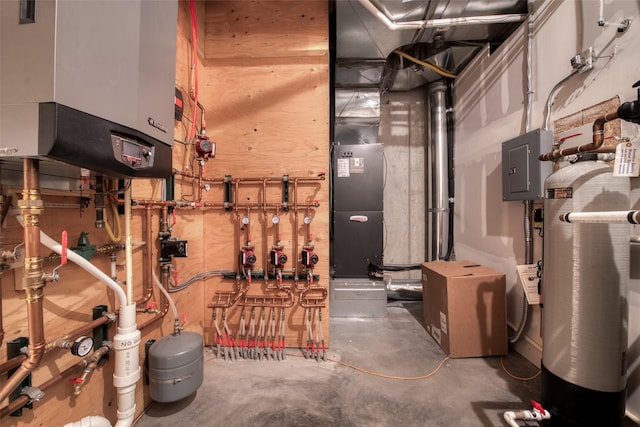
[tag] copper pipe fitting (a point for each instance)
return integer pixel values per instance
(596, 143)
(31, 207)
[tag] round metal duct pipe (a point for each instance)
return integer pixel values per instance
(585, 287)
(437, 172)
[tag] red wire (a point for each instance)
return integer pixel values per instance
(194, 39)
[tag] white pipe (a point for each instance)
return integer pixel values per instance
(617, 217)
(126, 373)
(83, 263)
(127, 341)
(91, 421)
(511, 416)
(442, 22)
(166, 294)
(114, 272)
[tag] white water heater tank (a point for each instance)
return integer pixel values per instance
(584, 296)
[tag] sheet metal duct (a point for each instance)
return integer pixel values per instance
(437, 173)
(449, 33)
(89, 83)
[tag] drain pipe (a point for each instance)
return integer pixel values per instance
(31, 207)
(126, 342)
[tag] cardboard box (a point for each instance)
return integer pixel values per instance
(465, 308)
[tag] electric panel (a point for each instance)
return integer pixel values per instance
(523, 174)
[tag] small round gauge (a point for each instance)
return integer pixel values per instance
(307, 220)
(245, 220)
(82, 346)
(275, 219)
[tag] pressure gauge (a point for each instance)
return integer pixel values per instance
(245, 220)
(275, 219)
(82, 346)
(307, 220)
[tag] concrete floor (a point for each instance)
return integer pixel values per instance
(301, 392)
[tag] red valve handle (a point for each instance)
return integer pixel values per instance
(64, 247)
(76, 380)
(538, 406)
(152, 305)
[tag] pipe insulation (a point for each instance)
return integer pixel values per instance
(611, 217)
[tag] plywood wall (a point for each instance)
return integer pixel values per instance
(264, 82)
(265, 85)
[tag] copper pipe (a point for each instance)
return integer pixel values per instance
(23, 400)
(84, 329)
(192, 175)
(1, 323)
(31, 207)
(257, 180)
(151, 203)
(265, 235)
(148, 262)
(232, 296)
(278, 180)
(88, 370)
(295, 233)
(266, 301)
(199, 199)
(596, 143)
(14, 362)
